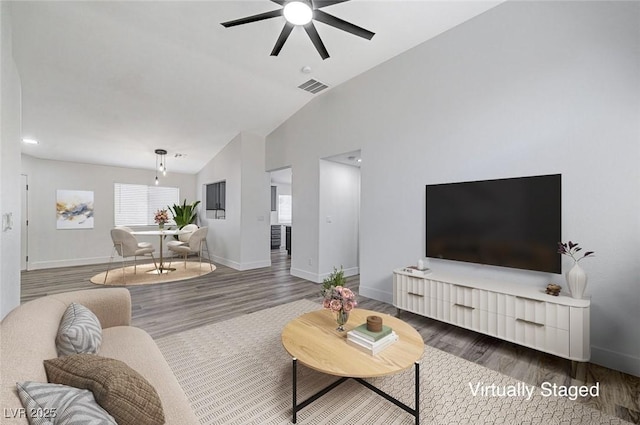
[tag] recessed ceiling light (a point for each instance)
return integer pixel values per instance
(30, 141)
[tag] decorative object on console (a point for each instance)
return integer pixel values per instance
(553, 289)
(161, 217)
(576, 277)
(422, 264)
(414, 270)
(337, 298)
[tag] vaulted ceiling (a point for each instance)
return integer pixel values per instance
(109, 82)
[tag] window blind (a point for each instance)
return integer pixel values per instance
(135, 204)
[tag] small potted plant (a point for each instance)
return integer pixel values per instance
(338, 298)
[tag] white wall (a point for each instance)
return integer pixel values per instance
(10, 129)
(241, 240)
(256, 204)
(526, 88)
(50, 247)
(224, 235)
(339, 218)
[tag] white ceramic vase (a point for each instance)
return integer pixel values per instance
(577, 281)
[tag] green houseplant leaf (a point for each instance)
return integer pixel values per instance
(184, 214)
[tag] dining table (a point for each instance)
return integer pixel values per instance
(162, 233)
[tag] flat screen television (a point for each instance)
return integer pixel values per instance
(514, 222)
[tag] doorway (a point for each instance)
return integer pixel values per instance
(339, 227)
(281, 219)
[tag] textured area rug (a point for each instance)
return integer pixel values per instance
(143, 275)
(237, 372)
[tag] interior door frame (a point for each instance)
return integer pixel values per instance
(24, 222)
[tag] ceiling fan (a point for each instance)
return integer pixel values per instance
(302, 13)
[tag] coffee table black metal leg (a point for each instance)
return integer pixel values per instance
(417, 389)
(415, 411)
(295, 390)
(297, 407)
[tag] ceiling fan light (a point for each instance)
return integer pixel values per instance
(298, 12)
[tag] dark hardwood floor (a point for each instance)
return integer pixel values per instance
(166, 308)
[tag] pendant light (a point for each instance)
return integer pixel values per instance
(161, 163)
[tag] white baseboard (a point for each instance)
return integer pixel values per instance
(241, 266)
(376, 294)
(618, 361)
(39, 265)
(318, 278)
(255, 265)
(313, 277)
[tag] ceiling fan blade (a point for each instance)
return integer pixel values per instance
(317, 4)
(315, 39)
(280, 2)
(253, 18)
(286, 30)
(325, 18)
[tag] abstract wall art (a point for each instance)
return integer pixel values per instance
(74, 209)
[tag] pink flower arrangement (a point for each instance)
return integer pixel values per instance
(161, 216)
(339, 298)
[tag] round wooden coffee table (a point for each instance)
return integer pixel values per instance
(312, 340)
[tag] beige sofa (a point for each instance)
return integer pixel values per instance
(28, 336)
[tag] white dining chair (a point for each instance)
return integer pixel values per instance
(196, 244)
(140, 244)
(126, 245)
(183, 238)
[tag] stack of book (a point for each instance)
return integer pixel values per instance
(416, 271)
(371, 342)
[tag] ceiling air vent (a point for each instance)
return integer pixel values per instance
(313, 86)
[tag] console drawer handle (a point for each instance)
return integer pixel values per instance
(529, 322)
(465, 306)
(417, 295)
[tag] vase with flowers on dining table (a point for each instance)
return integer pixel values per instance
(161, 217)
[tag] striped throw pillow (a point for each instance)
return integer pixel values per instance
(79, 331)
(54, 404)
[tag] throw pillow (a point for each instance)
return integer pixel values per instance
(120, 390)
(53, 404)
(79, 331)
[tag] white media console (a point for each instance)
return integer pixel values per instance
(517, 313)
